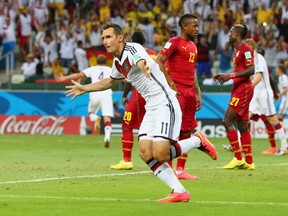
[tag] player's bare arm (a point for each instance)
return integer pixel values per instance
(257, 78)
(126, 90)
(285, 90)
(77, 89)
(222, 78)
(198, 93)
(145, 67)
(160, 60)
(74, 76)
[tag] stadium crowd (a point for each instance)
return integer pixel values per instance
(50, 31)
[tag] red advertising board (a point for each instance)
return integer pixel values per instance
(52, 125)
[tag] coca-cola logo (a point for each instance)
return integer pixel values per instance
(43, 125)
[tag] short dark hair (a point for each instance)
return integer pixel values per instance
(138, 37)
(261, 51)
(282, 68)
(116, 27)
(184, 18)
(242, 29)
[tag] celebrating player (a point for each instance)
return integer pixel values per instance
(133, 115)
(159, 130)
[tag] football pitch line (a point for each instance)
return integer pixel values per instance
(212, 202)
(106, 175)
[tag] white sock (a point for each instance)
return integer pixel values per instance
(165, 173)
(280, 134)
(107, 131)
(188, 144)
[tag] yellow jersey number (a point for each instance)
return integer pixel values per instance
(127, 116)
(192, 57)
(234, 101)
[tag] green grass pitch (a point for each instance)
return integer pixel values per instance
(70, 175)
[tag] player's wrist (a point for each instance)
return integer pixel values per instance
(232, 75)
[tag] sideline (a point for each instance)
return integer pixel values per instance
(215, 202)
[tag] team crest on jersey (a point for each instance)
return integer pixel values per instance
(248, 55)
(124, 68)
(167, 45)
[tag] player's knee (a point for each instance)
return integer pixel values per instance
(161, 156)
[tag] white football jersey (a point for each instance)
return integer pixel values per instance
(154, 90)
(283, 83)
(97, 73)
(263, 89)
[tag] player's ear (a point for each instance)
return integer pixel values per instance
(120, 38)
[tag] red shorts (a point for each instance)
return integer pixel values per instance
(188, 104)
(240, 101)
(22, 40)
(134, 112)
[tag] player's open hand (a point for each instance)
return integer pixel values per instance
(222, 78)
(74, 90)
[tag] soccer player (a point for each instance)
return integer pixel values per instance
(133, 115)
(262, 102)
(241, 95)
(180, 55)
(101, 99)
(159, 130)
(283, 89)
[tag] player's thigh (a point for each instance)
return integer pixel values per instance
(107, 106)
(165, 122)
(94, 105)
(188, 104)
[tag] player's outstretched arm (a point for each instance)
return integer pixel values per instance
(145, 67)
(77, 89)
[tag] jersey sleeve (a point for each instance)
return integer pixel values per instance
(248, 56)
(169, 48)
(88, 71)
(137, 53)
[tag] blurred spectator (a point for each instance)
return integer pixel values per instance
(104, 10)
(29, 67)
(24, 30)
(40, 12)
(148, 30)
(95, 36)
(225, 55)
(223, 36)
(172, 22)
(203, 64)
(81, 57)
(129, 29)
(117, 18)
(49, 48)
(67, 46)
(9, 41)
(57, 68)
(40, 61)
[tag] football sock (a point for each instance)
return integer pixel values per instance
(280, 134)
(127, 143)
(181, 161)
(246, 146)
(184, 146)
(271, 134)
(107, 130)
(165, 173)
(233, 139)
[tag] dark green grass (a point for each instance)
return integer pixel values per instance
(73, 178)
